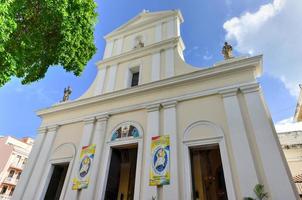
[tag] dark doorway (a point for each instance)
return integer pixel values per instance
(207, 173)
(56, 182)
(121, 176)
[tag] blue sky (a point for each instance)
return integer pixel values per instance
(252, 26)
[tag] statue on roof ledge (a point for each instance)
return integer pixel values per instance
(227, 51)
(67, 92)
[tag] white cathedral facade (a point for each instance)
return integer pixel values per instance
(221, 139)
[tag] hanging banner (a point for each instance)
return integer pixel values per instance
(82, 178)
(160, 163)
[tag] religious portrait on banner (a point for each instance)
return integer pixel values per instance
(82, 178)
(160, 161)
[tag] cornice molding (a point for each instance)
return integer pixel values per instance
(102, 117)
(250, 88)
(140, 52)
(89, 120)
(124, 31)
(153, 107)
(52, 128)
(229, 92)
(169, 104)
(245, 64)
(42, 130)
(153, 104)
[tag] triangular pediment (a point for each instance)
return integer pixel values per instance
(143, 18)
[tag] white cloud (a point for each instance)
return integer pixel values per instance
(288, 125)
(228, 4)
(275, 30)
(207, 55)
(289, 120)
(33, 91)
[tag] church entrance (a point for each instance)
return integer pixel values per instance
(207, 173)
(56, 182)
(121, 176)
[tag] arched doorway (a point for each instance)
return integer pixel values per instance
(124, 159)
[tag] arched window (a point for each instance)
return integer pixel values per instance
(125, 131)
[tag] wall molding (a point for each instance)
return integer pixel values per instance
(218, 140)
(140, 52)
(244, 64)
(151, 104)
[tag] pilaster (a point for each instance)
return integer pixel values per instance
(119, 45)
(85, 140)
(152, 131)
(171, 191)
(171, 27)
(155, 70)
(29, 167)
(99, 88)
(111, 76)
(241, 150)
(273, 162)
(98, 138)
(108, 50)
(37, 181)
(47, 168)
(169, 62)
(158, 32)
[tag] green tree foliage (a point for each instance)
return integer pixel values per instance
(37, 34)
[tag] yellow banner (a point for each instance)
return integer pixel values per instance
(160, 162)
(82, 178)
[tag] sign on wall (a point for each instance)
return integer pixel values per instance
(82, 178)
(160, 163)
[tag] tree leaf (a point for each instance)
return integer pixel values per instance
(38, 34)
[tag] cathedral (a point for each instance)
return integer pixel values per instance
(152, 127)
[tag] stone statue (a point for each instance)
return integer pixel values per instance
(139, 42)
(227, 51)
(67, 92)
(125, 130)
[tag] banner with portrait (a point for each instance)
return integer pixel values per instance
(81, 181)
(160, 162)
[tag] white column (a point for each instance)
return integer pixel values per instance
(158, 32)
(108, 50)
(177, 26)
(246, 170)
(47, 171)
(111, 76)
(98, 139)
(171, 191)
(36, 182)
(155, 69)
(99, 88)
(170, 28)
(31, 162)
(85, 140)
(128, 78)
(169, 64)
(152, 130)
(103, 172)
(273, 161)
(119, 44)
